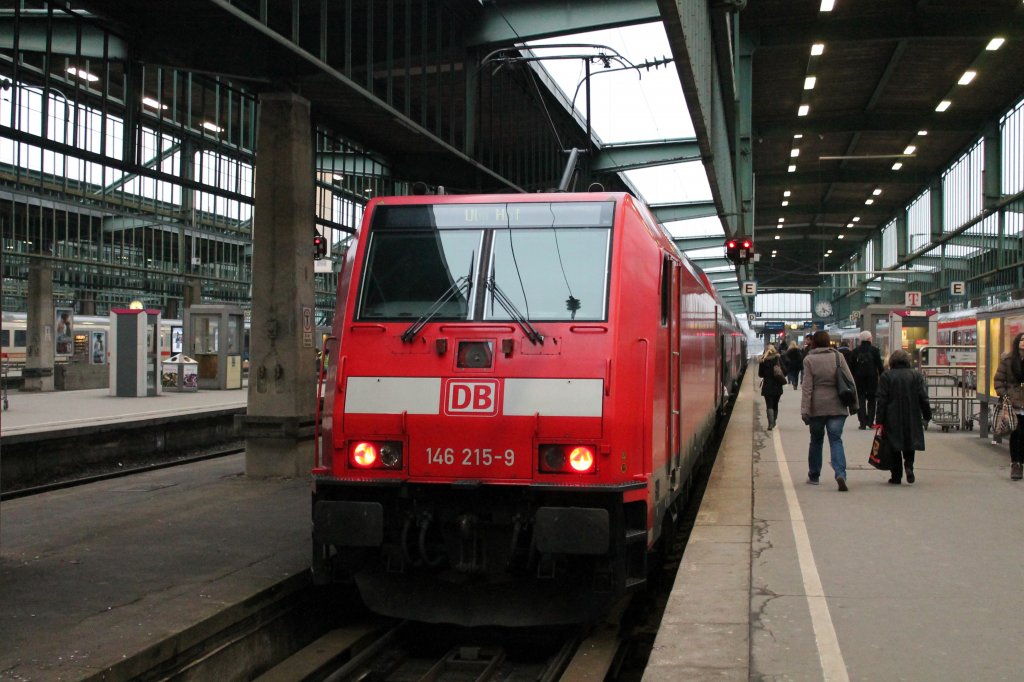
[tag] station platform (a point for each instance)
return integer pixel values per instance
(37, 412)
(48, 437)
(782, 580)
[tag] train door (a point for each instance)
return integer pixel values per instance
(671, 302)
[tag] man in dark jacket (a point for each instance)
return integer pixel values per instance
(867, 366)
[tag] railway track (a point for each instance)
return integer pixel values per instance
(420, 652)
(118, 473)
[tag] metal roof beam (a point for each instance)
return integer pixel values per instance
(534, 19)
(871, 123)
(871, 176)
(687, 210)
(622, 157)
(896, 26)
(66, 36)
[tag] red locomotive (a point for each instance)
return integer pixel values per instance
(518, 389)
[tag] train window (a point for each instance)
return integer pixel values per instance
(408, 273)
(20, 337)
(551, 274)
(5, 338)
(666, 289)
(506, 215)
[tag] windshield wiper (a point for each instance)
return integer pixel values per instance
(414, 329)
(465, 281)
(512, 311)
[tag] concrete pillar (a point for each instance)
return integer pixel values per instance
(278, 428)
(39, 353)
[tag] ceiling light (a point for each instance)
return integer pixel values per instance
(849, 224)
(909, 150)
(809, 82)
(83, 74)
(922, 133)
(817, 49)
(782, 220)
(840, 236)
(856, 218)
(803, 110)
(792, 169)
(967, 77)
(152, 103)
(786, 193)
(785, 203)
(943, 105)
(897, 165)
(877, 191)
(779, 226)
(995, 44)
(212, 127)
(869, 201)
(798, 136)
(827, 5)
(795, 153)
(778, 236)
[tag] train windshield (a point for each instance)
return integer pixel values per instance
(550, 260)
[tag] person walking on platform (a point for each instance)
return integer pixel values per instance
(772, 370)
(903, 409)
(1009, 382)
(821, 409)
(866, 366)
(794, 364)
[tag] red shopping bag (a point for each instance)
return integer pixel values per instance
(881, 451)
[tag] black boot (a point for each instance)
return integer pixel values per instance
(771, 419)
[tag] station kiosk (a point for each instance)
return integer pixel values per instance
(134, 347)
(213, 338)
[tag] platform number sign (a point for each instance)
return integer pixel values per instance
(749, 288)
(957, 288)
(912, 299)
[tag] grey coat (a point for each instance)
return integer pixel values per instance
(820, 396)
(903, 407)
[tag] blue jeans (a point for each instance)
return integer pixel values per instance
(834, 426)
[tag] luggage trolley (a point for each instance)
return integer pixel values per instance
(951, 387)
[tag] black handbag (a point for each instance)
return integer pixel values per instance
(847, 389)
(881, 451)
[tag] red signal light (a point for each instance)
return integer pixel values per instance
(747, 244)
(319, 247)
(567, 459)
(364, 455)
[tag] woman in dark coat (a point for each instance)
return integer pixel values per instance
(1009, 381)
(794, 364)
(771, 387)
(902, 409)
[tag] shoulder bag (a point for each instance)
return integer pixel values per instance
(1005, 419)
(847, 391)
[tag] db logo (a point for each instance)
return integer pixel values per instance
(471, 397)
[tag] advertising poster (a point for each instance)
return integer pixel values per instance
(98, 348)
(64, 331)
(176, 334)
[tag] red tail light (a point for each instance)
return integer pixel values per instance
(375, 454)
(560, 458)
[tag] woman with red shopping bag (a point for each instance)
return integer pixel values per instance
(902, 408)
(1009, 384)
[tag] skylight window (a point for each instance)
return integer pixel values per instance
(83, 74)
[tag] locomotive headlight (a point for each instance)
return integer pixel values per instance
(552, 457)
(391, 455)
(562, 458)
(368, 454)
